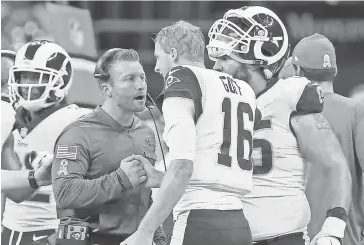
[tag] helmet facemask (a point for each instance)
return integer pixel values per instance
(251, 35)
(50, 89)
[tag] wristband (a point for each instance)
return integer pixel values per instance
(337, 212)
(31, 180)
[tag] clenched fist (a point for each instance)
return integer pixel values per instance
(134, 170)
(42, 164)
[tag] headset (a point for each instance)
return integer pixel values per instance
(103, 74)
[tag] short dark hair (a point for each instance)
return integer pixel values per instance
(109, 58)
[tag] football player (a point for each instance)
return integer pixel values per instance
(314, 57)
(251, 43)
(7, 111)
(209, 120)
(15, 180)
(39, 81)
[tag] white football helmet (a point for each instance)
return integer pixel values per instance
(43, 58)
(251, 35)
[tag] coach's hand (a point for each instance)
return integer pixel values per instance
(134, 169)
(154, 177)
(42, 164)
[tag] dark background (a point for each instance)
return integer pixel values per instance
(133, 24)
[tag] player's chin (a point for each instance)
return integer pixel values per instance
(139, 106)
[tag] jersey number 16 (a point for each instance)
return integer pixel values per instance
(243, 135)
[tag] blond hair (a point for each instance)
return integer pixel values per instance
(186, 38)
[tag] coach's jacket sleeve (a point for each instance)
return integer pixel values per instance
(359, 133)
(70, 165)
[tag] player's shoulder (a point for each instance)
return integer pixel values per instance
(295, 83)
(301, 94)
(181, 81)
(70, 113)
(7, 108)
(74, 110)
(180, 77)
(75, 115)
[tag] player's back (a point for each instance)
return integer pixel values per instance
(343, 114)
(38, 213)
(277, 204)
(224, 117)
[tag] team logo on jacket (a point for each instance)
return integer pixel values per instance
(76, 232)
(63, 168)
(150, 142)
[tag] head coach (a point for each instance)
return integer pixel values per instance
(99, 187)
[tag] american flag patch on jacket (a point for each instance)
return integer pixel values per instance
(65, 151)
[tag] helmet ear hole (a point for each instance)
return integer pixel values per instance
(59, 93)
(55, 95)
(269, 49)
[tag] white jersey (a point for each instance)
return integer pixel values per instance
(38, 213)
(7, 120)
(277, 204)
(224, 118)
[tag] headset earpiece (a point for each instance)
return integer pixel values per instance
(100, 71)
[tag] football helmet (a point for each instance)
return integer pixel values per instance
(251, 35)
(50, 65)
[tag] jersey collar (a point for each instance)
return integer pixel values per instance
(23, 119)
(111, 122)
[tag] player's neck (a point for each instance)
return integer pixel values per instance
(122, 116)
(327, 87)
(183, 61)
(259, 82)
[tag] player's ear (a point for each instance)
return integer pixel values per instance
(174, 54)
(106, 89)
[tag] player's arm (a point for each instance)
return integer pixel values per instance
(12, 180)
(9, 160)
(181, 108)
(181, 140)
(17, 185)
(358, 134)
(320, 146)
(71, 189)
(159, 235)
